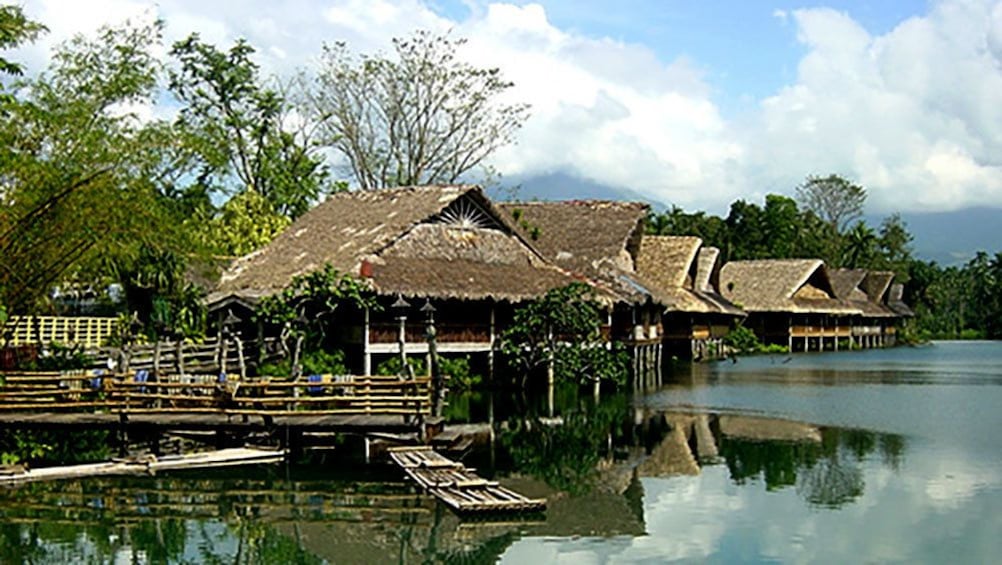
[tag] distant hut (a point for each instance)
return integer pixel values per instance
(447, 245)
(696, 317)
(789, 302)
(600, 240)
(867, 291)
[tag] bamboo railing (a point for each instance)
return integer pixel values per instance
(141, 393)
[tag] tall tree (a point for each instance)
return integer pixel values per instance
(834, 199)
(424, 117)
(243, 129)
(70, 155)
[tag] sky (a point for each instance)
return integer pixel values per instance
(687, 103)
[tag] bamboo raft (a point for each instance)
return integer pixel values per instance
(148, 464)
(458, 487)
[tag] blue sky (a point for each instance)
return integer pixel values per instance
(747, 49)
(692, 103)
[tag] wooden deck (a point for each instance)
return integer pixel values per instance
(460, 488)
(208, 402)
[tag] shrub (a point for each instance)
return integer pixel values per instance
(314, 362)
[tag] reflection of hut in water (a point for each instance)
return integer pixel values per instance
(446, 244)
(696, 318)
(789, 302)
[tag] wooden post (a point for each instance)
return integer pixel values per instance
(490, 351)
(179, 356)
(366, 354)
(241, 363)
(156, 357)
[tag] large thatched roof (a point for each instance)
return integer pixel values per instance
(599, 239)
(438, 241)
(669, 263)
(850, 285)
(781, 285)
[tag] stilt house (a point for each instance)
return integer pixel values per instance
(444, 245)
(867, 291)
(696, 318)
(600, 240)
(789, 302)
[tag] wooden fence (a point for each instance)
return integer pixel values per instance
(87, 331)
(135, 393)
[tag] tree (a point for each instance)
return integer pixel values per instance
(834, 199)
(71, 165)
(243, 130)
(425, 117)
(563, 329)
(894, 244)
(860, 247)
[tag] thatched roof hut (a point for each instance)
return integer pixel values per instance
(782, 285)
(597, 238)
(863, 289)
(430, 241)
(670, 263)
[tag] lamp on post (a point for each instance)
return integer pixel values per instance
(400, 307)
(437, 384)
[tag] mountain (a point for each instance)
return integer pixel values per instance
(952, 238)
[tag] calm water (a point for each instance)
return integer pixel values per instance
(852, 457)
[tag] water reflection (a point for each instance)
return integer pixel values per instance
(733, 466)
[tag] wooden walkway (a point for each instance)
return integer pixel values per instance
(457, 486)
(98, 399)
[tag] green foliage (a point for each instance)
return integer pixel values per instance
(392, 366)
(156, 289)
(241, 129)
(53, 448)
(563, 327)
(15, 29)
(423, 117)
(743, 341)
(319, 292)
(458, 371)
(957, 302)
(313, 361)
(56, 357)
(245, 223)
(74, 161)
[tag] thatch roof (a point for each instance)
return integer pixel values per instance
(669, 262)
(599, 239)
(437, 241)
(669, 259)
(781, 285)
(849, 285)
(876, 284)
(895, 300)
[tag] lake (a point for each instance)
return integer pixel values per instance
(880, 455)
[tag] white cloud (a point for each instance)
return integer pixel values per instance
(915, 114)
(916, 111)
